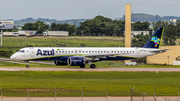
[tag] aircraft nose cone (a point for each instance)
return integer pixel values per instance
(13, 56)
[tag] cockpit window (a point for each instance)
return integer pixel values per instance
(21, 51)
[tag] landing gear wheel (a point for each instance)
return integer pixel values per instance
(92, 66)
(82, 66)
(27, 66)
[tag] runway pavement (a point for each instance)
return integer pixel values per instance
(90, 69)
(150, 98)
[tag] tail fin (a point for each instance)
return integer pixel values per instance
(155, 40)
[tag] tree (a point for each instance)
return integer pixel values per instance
(28, 26)
(63, 27)
(139, 40)
(38, 26)
(178, 27)
(170, 34)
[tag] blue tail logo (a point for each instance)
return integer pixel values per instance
(156, 40)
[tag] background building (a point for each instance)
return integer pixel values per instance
(134, 33)
(165, 58)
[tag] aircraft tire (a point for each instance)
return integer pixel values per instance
(82, 66)
(93, 66)
(27, 66)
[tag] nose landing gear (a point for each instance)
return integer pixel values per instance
(27, 66)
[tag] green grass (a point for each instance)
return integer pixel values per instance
(94, 83)
(15, 43)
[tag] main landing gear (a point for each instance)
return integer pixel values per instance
(82, 66)
(91, 65)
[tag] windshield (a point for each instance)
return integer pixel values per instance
(21, 51)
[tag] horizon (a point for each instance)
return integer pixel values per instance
(83, 18)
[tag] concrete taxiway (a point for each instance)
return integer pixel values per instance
(90, 69)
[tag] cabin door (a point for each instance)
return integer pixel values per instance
(137, 52)
(31, 52)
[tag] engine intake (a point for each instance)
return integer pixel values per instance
(59, 63)
(76, 61)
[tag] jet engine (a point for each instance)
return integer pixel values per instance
(76, 61)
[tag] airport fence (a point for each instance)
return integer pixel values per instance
(86, 92)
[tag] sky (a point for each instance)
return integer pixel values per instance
(83, 9)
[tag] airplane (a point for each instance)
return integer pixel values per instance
(79, 56)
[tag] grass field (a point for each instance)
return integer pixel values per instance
(40, 41)
(13, 44)
(94, 83)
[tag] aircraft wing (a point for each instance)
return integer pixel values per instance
(97, 56)
(100, 55)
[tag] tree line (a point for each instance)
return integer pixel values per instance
(98, 26)
(103, 26)
(171, 33)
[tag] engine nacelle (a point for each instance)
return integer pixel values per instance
(59, 63)
(76, 61)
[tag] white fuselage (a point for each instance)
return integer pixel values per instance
(90, 53)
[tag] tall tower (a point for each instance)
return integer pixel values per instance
(128, 26)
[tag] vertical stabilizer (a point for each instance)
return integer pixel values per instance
(155, 39)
